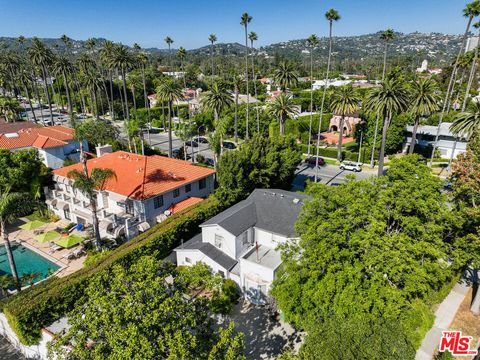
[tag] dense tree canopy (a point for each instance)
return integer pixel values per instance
(19, 169)
(376, 248)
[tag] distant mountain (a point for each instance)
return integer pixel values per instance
(433, 46)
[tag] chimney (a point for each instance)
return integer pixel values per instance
(104, 149)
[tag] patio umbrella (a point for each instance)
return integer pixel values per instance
(32, 225)
(69, 241)
(46, 237)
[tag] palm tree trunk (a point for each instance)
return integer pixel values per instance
(169, 131)
(211, 57)
(323, 99)
(125, 93)
(11, 260)
(121, 100)
(246, 78)
(414, 136)
(96, 227)
(112, 109)
(104, 88)
(282, 124)
(95, 104)
(236, 115)
(27, 92)
(311, 103)
(381, 156)
(44, 74)
(340, 139)
(134, 102)
(147, 105)
(82, 98)
(255, 89)
(69, 100)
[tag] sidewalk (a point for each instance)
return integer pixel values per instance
(443, 318)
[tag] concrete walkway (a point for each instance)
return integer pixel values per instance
(444, 317)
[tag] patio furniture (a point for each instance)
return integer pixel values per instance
(46, 237)
(69, 241)
(55, 248)
(32, 225)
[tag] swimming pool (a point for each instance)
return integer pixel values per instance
(27, 261)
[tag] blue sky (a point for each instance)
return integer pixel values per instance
(189, 22)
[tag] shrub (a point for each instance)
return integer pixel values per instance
(40, 305)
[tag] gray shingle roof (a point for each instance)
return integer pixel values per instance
(272, 210)
(209, 250)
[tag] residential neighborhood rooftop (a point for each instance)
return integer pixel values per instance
(37, 137)
(141, 177)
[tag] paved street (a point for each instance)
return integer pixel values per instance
(327, 174)
(160, 141)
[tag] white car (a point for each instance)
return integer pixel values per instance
(351, 166)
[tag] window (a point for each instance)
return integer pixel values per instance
(244, 237)
(176, 193)
(202, 184)
(222, 274)
(188, 260)
(105, 199)
(66, 213)
(158, 201)
(188, 188)
(129, 207)
(218, 241)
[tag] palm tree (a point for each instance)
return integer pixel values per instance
(466, 123)
(388, 100)
(66, 40)
(470, 11)
(5, 282)
(12, 206)
(168, 92)
(344, 102)
(244, 21)
(143, 60)
(106, 58)
(9, 108)
(331, 16)
(123, 60)
(386, 36)
(285, 75)
(64, 67)
(312, 42)
(91, 82)
(88, 184)
(25, 78)
(41, 57)
(254, 37)
(213, 39)
(425, 101)
(237, 83)
(282, 108)
(169, 42)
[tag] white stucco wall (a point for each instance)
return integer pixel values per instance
(229, 241)
(197, 256)
(268, 239)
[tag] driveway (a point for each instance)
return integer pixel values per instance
(265, 337)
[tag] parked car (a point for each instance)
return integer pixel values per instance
(229, 145)
(177, 154)
(313, 161)
(154, 130)
(202, 140)
(351, 166)
(191, 143)
(210, 161)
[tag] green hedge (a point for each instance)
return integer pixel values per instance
(32, 309)
(328, 152)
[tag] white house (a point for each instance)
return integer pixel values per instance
(446, 140)
(54, 143)
(241, 243)
(144, 191)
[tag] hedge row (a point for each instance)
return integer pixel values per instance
(328, 152)
(32, 309)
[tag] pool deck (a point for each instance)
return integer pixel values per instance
(59, 257)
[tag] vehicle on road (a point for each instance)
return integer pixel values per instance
(154, 130)
(202, 140)
(191, 143)
(229, 145)
(210, 161)
(313, 161)
(178, 154)
(351, 166)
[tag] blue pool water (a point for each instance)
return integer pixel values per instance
(27, 261)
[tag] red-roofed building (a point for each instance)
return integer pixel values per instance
(54, 143)
(145, 190)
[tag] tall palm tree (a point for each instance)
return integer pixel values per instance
(213, 39)
(169, 92)
(25, 79)
(66, 41)
(466, 123)
(9, 108)
(123, 60)
(244, 21)
(106, 58)
(312, 42)
(88, 183)
(12, 206)
(331, 16)
(344, 102)
(169, 42)
(285, 75)
(41, 56)
(388, 100)
(425, 101)
(282, 108)
(237, 83)
(254, 37)
(64, 67)
(91, 82)
(385, 36)
(470, 11)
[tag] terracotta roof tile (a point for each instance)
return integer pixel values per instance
(141, 177)
(184, 204)
(38, 137)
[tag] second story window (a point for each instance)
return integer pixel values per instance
(244, 237)
(188, 188)
(176, 193)
(202, 184)
(129, 209)
(158, 202)
(218, 241)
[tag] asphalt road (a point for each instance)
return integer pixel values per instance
(327, 174)
(160, 141)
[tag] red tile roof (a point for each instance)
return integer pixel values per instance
(182, 205)
(141, 177)
(38, 137)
